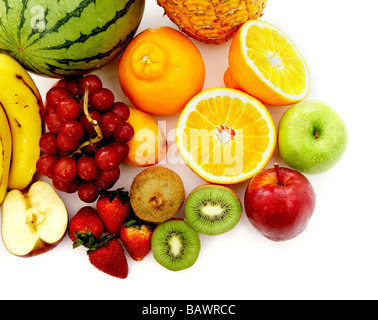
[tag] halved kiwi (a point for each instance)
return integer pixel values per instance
(213, 209)
(157, 194)
(175, 245)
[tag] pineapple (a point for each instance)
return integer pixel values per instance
(212, 21)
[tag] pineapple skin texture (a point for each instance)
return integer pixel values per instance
(212, 21)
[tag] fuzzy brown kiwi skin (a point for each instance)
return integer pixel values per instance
(163, 204)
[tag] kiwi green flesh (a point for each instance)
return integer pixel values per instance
(175, 245)
(212, 210)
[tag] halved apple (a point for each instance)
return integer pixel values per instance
(33, 222)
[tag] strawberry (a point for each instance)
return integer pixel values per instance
(108, 256)
(136, 237)
(85, 226)
(113, 207)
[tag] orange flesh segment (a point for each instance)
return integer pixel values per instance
(242, 152)
(276, 60)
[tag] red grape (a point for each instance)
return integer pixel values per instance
(124, 133)
(62, 153)
(110, 175)
(107, 158)
(73, 86)
(46, 164)
(72, 130)
(89, 150)
(74, 186)
(53, 122)
(49, 109)
(48, 143)
(61, 83)
(103, 185)
(110, 123)
(87, 168)
(122, 110)
(68, 109)
(66, 169)
(121, 148)
(66, 145)
(101, 99)
(88, 192)
(55, 94)
(93, 81)
(64, 186)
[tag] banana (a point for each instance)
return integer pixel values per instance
(23, 105)
(5, 153)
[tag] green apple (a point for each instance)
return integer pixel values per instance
(312, 137)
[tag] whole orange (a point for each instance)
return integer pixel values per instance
(161, 70)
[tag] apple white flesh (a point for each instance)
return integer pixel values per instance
(312, 137)
(33, 222)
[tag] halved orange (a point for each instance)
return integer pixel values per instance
(265, 63)
(225, 136)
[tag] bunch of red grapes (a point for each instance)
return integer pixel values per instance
(86, 139)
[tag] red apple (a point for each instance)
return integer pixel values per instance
(279, 202)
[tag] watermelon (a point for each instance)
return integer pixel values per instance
(61, 38)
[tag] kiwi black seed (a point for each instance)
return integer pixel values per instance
(157, 194)
(213, 209)
(175, 245)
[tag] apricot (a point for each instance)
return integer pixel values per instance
(149, 144)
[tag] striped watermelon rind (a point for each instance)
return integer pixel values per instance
(61, 38)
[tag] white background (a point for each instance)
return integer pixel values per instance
(336, 257)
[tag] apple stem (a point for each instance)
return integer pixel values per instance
(277, 167)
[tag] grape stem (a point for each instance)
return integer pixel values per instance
(94, 123)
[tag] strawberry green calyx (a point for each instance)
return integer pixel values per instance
(86, 239)
(89, 241)
(123, 196)
(137, 224)
(98, 243)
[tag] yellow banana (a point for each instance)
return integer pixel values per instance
(23, 105)
(5, 153)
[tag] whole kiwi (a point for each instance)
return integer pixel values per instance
(157, 194)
